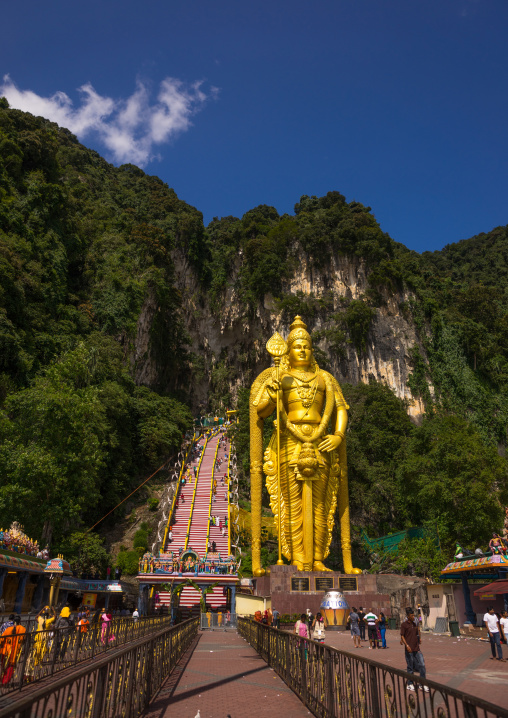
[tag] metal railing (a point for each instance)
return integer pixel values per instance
(194, 492)
(337, 684)
(211, 497)
(177, 492)
(30, 657)
(122, 683)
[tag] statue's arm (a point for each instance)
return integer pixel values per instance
(268, 399)
(333, 441)
(341, 421)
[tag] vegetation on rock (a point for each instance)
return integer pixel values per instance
(104, 272)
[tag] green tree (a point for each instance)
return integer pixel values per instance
(86, 553)
(452, 479)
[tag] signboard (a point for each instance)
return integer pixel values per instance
(89, 599)
(114, 587)
(324, 583)
(300, 584)
(348, 584)
(487, 597)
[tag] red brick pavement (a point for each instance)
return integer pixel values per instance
(464, 665)
(224, 677)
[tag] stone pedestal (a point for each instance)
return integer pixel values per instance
(294, 591)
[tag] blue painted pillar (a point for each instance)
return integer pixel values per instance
(142, 599)
(106, 602)
(3, 574)
(20, 593)
(233, 599)
(38, 593)
(505, 597)
(470, 614)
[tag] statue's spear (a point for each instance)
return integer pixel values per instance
(277, 347)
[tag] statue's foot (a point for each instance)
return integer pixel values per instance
(298, 564)
(319, 566)
(352, 570)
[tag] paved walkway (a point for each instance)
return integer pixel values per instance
(223, 677)
(464, 665)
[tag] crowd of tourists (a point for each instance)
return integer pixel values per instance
(497, 629)
(52, 635)
(221, 523)
(359, 622)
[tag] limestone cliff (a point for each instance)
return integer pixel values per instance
(234, 340)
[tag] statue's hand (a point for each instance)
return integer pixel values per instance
(330, 443)
(272, 388)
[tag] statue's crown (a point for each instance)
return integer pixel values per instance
(298, 331)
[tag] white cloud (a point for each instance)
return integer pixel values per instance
(129, 129)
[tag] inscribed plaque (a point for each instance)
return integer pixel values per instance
(324, 583)
(300, 584)
(348, 584)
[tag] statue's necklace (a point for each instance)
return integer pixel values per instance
(306, 388)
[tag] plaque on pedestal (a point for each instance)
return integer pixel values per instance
(348, 583)
(300, 584)
(324, 583)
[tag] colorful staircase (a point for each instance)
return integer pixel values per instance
(192, 528)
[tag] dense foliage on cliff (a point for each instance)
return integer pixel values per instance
(91, 292)
(82, 247)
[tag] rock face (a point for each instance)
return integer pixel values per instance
(229, 342)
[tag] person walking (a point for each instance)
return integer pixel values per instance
(503, 625)
(382, 629)
(63, 628)
(354, 621)
(318, 628)
(361, 623)
(492, 623)
(302, 630)
(275, 615)
(301, 627)
(12, 640)
(410, 639)
(371, 620)
(45, 618)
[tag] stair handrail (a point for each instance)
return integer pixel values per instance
(177, 491)
(229, 503)
(194, 494)
(210, 504)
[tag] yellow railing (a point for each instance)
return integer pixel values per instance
(194, 494)
(211, 494)
(175, 495)
(229, 503)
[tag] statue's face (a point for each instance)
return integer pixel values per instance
(300, 353)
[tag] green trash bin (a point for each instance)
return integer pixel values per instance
(454, 628)
(392, 624)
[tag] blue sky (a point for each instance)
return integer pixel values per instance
(399, 104)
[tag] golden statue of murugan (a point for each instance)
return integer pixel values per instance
(305, 461)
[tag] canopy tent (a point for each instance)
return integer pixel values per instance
(391, 541)
(495, 587)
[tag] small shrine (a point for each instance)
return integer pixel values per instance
(490, 565)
